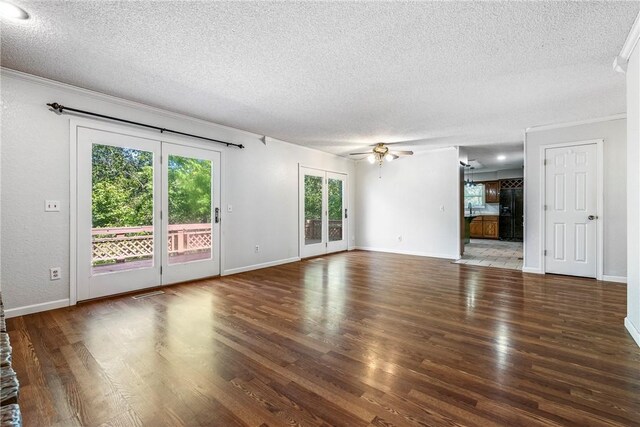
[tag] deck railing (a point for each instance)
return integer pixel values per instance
(120, 244)
(313, 229)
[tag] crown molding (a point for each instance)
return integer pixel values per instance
(620, 61)
(540, 128)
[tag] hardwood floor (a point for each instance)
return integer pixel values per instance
(354, 339)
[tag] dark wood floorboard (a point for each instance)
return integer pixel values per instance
(352, 339)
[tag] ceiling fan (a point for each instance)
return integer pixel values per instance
(381, 152)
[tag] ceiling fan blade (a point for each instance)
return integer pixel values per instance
(395, 156)
(402, 153)
(359, 154)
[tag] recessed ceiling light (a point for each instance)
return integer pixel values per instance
(502, 157)
(11, 11)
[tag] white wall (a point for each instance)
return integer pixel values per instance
(614, 218)
(633, 195)
(261, 182)
(407, 202)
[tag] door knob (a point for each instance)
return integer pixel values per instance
(217, 215)
(592, 217)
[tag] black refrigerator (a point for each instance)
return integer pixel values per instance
(511, 214)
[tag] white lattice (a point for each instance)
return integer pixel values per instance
(199, 240)
(122, 247)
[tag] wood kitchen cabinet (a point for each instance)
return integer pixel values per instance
(475, 228)
(492, 192)
(484, 227)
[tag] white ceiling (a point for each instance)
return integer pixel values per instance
(338, 76)
(484, 158)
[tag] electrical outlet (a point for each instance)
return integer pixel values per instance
(399, 238)
(52, 206)
(257, 248)
(54, 273)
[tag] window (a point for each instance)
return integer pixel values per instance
(474, 195)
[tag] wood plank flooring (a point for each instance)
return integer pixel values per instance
(352, 339)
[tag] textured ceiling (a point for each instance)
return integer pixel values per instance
(338, 76)
(485, 157)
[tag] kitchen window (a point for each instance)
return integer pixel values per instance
(474, 195)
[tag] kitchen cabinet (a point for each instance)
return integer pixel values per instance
(484, 227)
(475, 228)
(492, 191)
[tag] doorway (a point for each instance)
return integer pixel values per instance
(323, 212)
(147, 213)
(492, 205)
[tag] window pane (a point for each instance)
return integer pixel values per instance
(189, 187)
(121, 209)
(335, 210)
(312, 209)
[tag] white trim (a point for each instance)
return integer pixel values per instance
(620, 62)
(600, 201)
(36, 308)
(552, 126)
(616, 279)
(402, 252)
(259, 266)
(532, 270)
(633, 331)
(73, 212)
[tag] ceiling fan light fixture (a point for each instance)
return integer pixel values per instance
(371, 158)
(388, 157)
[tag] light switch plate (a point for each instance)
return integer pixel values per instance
(229, 208)
(52, 205)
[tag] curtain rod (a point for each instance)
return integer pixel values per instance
(60, 108)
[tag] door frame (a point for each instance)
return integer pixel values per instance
(599, 202)
(77, 122)
(346, 197)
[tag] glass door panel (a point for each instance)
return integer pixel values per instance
(189, 192)
(313, 209)
(337, 212)
(121, 209)
(336, 209)
(118, 199)
(191, 199)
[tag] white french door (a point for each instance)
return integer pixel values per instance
(323, 212)
(571, 210)
(147, 213)
(191, 225)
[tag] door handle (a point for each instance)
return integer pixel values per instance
(592, 217)
(217, 215)
(346, 215)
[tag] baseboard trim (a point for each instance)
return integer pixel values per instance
(532, 270)
(616, 279)
(401, 252)
(36, 308)
(635, 333)
(259, 266)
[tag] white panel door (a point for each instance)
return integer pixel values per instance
(190, 213)
(571, 215)
(323, 212)
(118, 234)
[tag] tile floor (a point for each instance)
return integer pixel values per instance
(493, 253)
